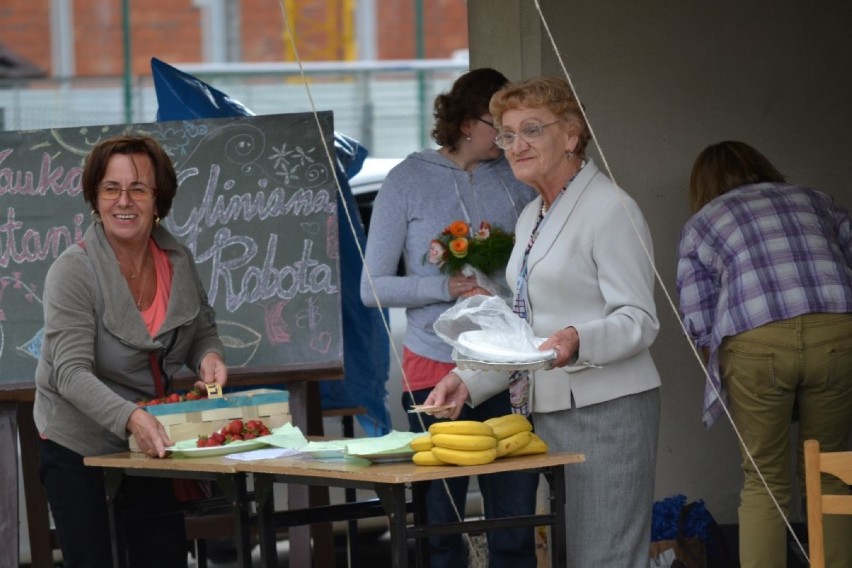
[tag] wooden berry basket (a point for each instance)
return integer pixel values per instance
(188, 420)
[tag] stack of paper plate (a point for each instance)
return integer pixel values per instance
(480, 349)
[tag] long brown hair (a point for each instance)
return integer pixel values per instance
(723, 166)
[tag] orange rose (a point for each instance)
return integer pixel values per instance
(459, 229)
(458, 247)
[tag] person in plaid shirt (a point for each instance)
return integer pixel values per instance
(765, 282)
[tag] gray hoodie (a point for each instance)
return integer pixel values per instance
(419, 198)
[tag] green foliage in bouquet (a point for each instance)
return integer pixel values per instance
(487, 250)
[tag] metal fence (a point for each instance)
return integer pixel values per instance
(385, 105)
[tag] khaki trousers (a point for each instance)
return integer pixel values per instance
(807, 360)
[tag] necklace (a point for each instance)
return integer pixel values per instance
(544, 206)
(142, 287)
(132, 274)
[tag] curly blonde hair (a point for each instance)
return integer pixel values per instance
(551, 93)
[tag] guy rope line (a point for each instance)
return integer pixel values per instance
(663, 286)
(331, 162)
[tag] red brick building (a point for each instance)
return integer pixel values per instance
(87, 41)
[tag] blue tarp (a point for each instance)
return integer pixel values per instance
(366, 358)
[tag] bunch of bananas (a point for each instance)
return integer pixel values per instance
(468, 442)
(515, 436)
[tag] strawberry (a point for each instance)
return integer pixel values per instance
(174, 397)
(235, 427)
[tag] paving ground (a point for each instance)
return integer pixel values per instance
(374, 552)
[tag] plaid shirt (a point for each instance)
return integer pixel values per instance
(757, 254)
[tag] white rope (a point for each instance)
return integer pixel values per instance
(663, 286)
(369, 276)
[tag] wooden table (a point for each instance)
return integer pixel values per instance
(222, 471)
(389, 481)
(16, 422)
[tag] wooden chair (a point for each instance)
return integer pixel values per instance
(838, 464)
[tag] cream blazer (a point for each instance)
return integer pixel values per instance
(590, 268)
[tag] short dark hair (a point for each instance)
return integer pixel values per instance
(724, 166)
(165, 177)
(467, 100)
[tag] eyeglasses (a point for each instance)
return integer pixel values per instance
(488, 122)
(136, 191)
(528, 132)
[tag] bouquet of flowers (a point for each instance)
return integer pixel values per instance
(484, 253)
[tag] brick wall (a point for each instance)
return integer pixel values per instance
(444, 28)
(171, 31)
(24, 28)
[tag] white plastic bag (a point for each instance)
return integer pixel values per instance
(485, 328)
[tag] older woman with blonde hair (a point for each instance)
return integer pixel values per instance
(582, 276)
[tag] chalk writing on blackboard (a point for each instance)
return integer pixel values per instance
(256, 206)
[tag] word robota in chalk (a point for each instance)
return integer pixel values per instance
(235, 258)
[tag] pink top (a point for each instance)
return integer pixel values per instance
(155, 314)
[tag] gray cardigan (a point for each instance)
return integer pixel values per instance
(95, 362)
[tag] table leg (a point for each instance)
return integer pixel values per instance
(556, 479)
(392, 497)
(38, 518)
(9, 484)
(234, 489)
(112, 481)
(264, 499)
(305, 407)
(421, 545)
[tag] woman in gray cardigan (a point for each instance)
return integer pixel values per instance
(124, 310)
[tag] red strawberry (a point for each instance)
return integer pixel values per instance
(235, 427)
(174, 397)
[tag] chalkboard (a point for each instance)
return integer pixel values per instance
(256, 205)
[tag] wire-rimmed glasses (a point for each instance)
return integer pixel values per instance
(528, 132)
(136, 191)
(488, 122)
